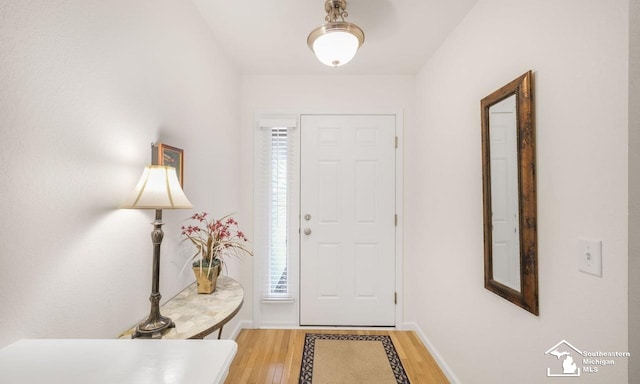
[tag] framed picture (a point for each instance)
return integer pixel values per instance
(163, 154)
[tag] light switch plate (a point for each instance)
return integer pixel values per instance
(590, 256)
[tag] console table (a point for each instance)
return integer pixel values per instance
(197, 315)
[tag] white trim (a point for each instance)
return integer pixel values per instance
(278, 300)
(400, 212)
(324, 328)
(288, 113)
(412, 326)
(244, 324)
(278, 123)
(291, 121)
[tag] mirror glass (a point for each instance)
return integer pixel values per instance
(509, 193)
(504, 192)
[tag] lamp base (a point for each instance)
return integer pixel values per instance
(153, 328)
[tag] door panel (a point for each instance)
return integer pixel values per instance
(347, 249)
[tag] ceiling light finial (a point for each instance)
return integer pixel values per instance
(336, 42)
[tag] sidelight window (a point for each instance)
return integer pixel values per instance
(275, 179)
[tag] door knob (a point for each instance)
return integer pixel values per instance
(307, 231)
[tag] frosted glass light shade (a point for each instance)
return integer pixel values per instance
(336, 48)
(158, 188)
(336, 44)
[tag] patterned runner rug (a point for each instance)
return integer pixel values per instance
(350, 359)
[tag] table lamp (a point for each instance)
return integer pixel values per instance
(157, 189)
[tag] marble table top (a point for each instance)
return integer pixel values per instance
(198, 315)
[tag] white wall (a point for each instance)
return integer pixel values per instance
(578, 51)
(85, 87)
(315, 94)
(634, 190)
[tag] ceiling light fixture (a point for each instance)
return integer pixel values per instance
(336, 42)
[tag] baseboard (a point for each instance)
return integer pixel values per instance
(412, 326)
(245, 324)
(325, 327)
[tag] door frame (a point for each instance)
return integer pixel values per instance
(286, 314)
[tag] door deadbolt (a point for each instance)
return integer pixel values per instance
(307, 217)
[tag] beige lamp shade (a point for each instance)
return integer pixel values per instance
(158, 188)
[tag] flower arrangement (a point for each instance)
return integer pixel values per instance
(214, 239)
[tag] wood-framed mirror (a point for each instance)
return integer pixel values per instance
(509, 193)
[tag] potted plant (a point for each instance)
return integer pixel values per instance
(214, 239)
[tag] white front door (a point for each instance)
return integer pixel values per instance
(347, 202)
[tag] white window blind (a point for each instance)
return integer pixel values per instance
(275, 182)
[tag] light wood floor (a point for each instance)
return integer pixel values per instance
(268, 356)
